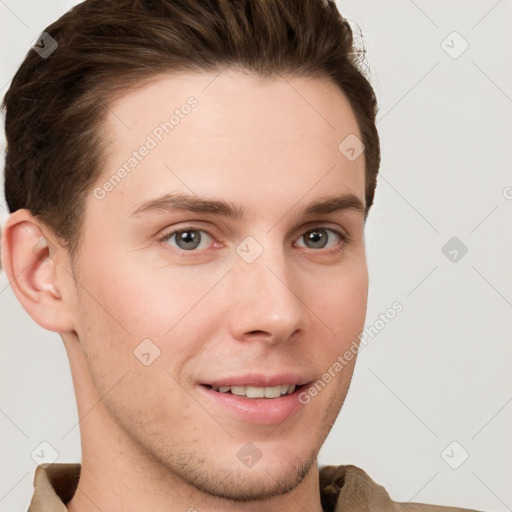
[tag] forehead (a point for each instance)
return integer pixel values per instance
(227, 133)
(233, 100)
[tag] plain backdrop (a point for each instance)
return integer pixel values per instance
(429, 412)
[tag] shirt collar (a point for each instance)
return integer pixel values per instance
(54, 485)
(342, 488)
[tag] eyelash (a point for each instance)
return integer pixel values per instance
(343, 237)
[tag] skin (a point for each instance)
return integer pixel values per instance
(150, 438)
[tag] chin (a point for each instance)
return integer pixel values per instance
(218, 472)
(261, 482)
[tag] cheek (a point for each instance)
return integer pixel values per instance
(122, 308)
(116, 323)
(146, 302)
(341, 301)
(342, 309)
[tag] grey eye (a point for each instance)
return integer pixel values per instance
(187, 239)
(318, 238)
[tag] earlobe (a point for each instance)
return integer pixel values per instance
(28, 257)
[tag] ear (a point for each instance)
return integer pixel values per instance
(29, 258)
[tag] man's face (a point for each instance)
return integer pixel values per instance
(167, 323)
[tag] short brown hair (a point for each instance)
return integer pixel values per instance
(55, 105)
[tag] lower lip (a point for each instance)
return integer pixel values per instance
(260, 411)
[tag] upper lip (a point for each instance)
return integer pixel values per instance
(259, 380)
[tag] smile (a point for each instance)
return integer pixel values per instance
(257, 391)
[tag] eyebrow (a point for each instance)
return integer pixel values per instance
(179, 202)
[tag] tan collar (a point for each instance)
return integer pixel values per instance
(342, 489)
(54, 486)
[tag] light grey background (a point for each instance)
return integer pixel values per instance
(440, 371)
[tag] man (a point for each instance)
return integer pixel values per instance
(188, 208)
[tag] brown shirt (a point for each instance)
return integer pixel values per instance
(342, 489)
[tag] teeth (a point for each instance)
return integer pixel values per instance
(254, 392)
(258, 392)
(238, 390)
(274, 391)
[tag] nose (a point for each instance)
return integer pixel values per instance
(267, 302)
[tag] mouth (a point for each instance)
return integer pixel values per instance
(257, 398)
(252, 391)
(264, 402)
